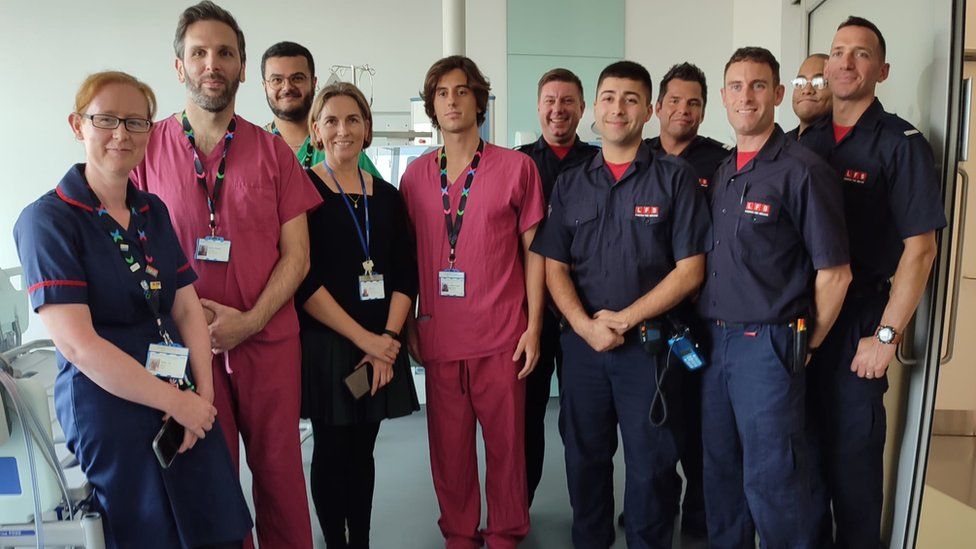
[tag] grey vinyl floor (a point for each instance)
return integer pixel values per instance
(405, 509)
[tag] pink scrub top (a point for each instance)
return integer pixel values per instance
(264, 187)
(505, 200)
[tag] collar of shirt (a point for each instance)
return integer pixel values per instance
(542, 145)
(73, 189)
(867, 122)
(643, 159)
(655, 144)
(769, 151)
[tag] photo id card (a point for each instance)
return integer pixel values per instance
(371, 287)
(167, 361)
(213, 248)
(451, 283)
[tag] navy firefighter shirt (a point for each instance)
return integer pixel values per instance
(703, 153)
(621, 238)
(550, 165)
(891, 188)
(777, 220)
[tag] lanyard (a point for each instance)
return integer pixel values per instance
(115, 231)
(307, 146)
(454, 225)
(202, 176)
(363, 237)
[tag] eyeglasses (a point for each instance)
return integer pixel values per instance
(298, 80)
(109, 122)
(818, 82)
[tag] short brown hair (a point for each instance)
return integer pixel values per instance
(560, 75)
(335, 90)
(97, 81)
(476, 81)
(756, 55)
(206, 11)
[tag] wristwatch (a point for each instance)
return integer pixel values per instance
(888, 335)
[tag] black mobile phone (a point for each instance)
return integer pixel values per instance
(360, 381)
(167, 442)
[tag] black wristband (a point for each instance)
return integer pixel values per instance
(392, 334)
(811, 350)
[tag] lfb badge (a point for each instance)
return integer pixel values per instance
(854, 176)
(758, 208)
(646, 212)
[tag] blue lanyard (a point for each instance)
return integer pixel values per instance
(363, 239)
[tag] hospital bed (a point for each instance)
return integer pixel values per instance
(39, 478)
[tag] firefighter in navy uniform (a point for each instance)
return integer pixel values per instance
(893, 207)
(774, 283)
(624, 243)
(680, 110)
(560, 108)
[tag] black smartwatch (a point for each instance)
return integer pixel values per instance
(392, 334)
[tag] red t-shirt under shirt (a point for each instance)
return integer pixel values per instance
(743, 157)
(617, 170)
(560, 152)
(841, 131)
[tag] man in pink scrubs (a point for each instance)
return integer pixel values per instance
(480, 306)
(238, 198)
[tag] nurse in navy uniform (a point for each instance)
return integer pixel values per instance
(107, 276)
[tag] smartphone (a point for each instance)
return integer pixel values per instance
(360, 381)
(167, 442)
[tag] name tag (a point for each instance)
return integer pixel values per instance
(371, 287)
(451, 283)
(213, 248)
(167, 361)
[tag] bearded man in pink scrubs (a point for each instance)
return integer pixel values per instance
(238, 199)
(475, 207)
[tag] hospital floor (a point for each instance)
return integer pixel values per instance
(405, 509)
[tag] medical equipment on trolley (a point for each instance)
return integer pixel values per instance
(43, 496)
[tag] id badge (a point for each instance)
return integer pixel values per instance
(167, 361)
(371, 287)
(213, 248)
(451, 283)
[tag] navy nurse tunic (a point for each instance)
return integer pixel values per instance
(68, 257)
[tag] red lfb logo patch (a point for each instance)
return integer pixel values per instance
(855, 176)
(758, 208)
(646, 211)
(702, 182)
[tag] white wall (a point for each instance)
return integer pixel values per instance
(47, 49)
(46, 52)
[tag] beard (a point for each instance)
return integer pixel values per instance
(296, 114)
(211, 103)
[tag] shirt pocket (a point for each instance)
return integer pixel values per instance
(650, 234)
(757, 228)
(581, 220)
(255, 205)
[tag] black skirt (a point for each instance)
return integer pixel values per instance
(327, 358)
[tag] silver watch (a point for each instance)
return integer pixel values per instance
(887, 335)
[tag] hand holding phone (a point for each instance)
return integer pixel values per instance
(168, 441)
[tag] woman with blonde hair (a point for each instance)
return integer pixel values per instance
(106, 274)
(352, 306)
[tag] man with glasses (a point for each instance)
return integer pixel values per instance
(811, 96)
(288, 77)
(238, 201)
(893, 207)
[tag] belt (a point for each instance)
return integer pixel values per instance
(861, 290)
(743, 325)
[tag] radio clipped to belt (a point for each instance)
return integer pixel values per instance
(801, 344)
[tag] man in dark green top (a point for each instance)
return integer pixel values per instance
(288, 76)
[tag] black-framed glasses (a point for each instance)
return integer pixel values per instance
(298, 80)
(818, 82)
(109, 122)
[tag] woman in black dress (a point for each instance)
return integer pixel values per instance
(352, 306)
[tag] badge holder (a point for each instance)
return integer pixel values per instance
(213, 248)
(371, 284)
(451, 282)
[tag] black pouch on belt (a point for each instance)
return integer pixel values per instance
(800, 345)
(651, 336)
